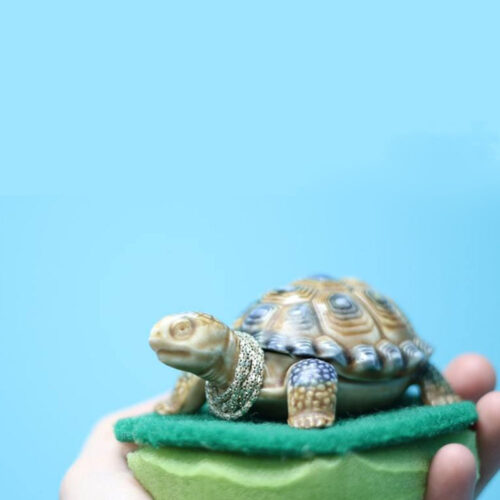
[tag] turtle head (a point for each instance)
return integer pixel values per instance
(193, 342)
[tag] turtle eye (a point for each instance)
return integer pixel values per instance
(182, 329)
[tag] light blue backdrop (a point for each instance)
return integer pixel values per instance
(158, 157)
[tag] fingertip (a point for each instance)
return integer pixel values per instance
(488, 436)
(488, 407)
(452, 474)
(456, 459)
(471, 376)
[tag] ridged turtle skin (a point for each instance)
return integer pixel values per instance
(342, 321)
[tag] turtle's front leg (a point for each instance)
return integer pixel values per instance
(435, 389)
(311, 394)
(187, 397)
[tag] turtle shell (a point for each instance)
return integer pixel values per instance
(345, 321)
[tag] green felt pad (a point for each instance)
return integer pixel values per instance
(395, 472)
(202, 430)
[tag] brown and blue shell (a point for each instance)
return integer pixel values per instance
(345, 322)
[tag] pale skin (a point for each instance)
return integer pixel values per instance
(101, 472)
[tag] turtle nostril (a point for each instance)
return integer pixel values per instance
(155, 336)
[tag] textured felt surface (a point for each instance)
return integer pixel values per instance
(395, 472)
(251, 437)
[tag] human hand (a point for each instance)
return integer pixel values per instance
(101, 471)
(452, 474)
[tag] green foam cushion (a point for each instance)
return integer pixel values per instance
(253, 437)
(395, 472)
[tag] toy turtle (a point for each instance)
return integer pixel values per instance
(296, 353)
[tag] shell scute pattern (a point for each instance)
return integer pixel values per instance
(344, 322)
(302, 347)
(278, 343)
(388, 313)
(301, 316)
(344, 306)
(291, 294)
(327, 348)
(353, 319)
(391, 356)
(366, 358)
(256, 317)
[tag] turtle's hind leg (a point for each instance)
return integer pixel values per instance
(187, 397)
(435, 389)
(311, 394)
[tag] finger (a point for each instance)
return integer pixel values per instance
(452, 474)
(102, 442)
(471, 376)
(82, 482)
(101, 471)
(488, 436)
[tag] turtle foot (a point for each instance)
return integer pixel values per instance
(445, 399)
(436, 391)
(311, 394)
(311, 421)
(166, 408)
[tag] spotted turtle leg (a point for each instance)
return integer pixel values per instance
(311, 394)
(187, 397)
(435, 389)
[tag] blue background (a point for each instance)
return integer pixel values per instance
(157, 158)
